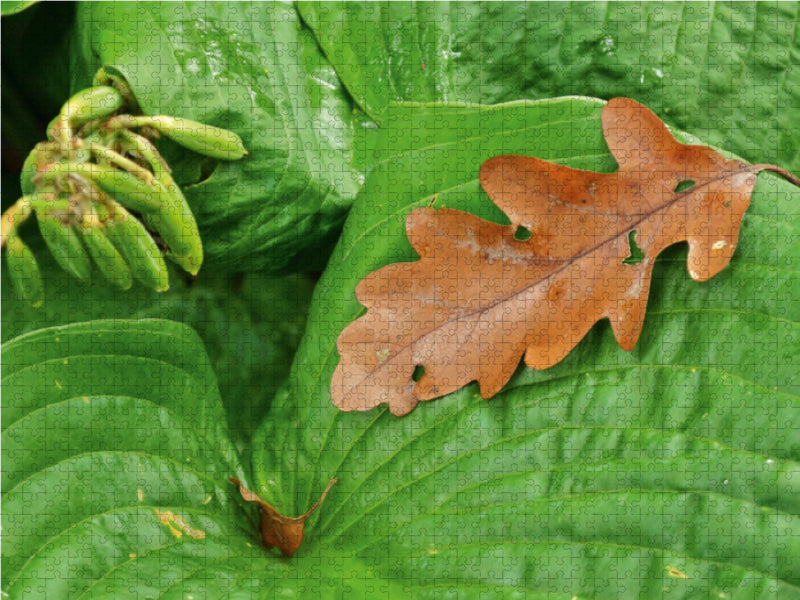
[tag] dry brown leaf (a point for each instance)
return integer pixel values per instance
(278, 531)
(479, 298)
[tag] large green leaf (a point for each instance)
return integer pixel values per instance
(115, 475)
(667, 472)
(685, 60)
(611, 475)
(255, 69)
(250, 324)
(108, 426)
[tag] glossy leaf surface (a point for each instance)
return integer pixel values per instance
(685, 60)
(256, 70)
(609, 463)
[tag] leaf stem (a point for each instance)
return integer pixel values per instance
(791, 178)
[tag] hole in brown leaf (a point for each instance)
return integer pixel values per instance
(419, 371)
(636, 255)
(522, 234)
(683, 185)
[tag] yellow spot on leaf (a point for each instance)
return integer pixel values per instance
(207, 500)
(140, 494)
(58, 384)
(433, 551)
(677, 574)
(133, 555)
(177, 525)
(85, 399)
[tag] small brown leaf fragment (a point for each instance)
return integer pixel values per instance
(482, 296)
(178, 525)
(676, 573)
(278, 531)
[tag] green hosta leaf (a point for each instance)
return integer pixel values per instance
(685, 61)
(667, 472)
(254, 69)
(250, 325)
(115, 474)
(115, 460)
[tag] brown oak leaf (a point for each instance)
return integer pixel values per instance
(480, 297)
(278, 531)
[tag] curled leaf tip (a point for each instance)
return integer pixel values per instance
(277, 530)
